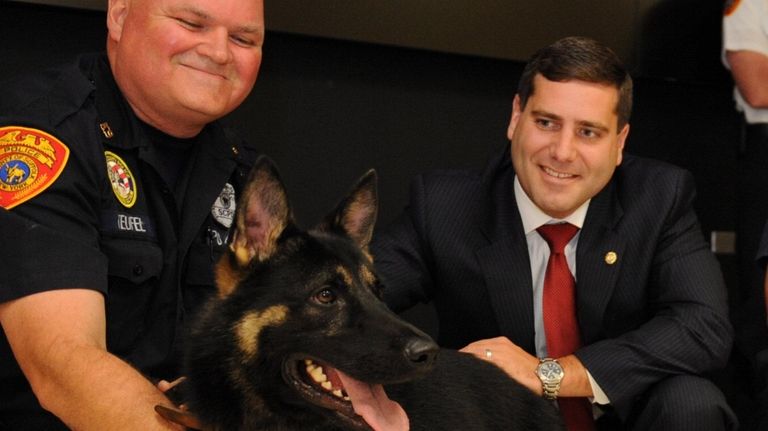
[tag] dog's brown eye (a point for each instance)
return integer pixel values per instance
(325, 296)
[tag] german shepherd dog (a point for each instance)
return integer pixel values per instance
(299, 339)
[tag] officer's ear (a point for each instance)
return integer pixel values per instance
(261, 216)
(116, 13)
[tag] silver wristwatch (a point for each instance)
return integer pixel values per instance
(550, 373)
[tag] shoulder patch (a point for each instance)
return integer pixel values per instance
(30, 161)
(121, 178)
(731, 6)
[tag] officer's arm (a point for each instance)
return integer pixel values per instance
(58, 338)
(750, 72)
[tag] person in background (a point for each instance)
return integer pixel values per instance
(745, 54)
(758, 387)
(118, 185)
(578, 269)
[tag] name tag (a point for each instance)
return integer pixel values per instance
(130, 223)
(136, 225)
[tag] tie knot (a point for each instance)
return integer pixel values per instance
(557, 235)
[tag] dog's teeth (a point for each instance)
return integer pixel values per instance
(317, 374)
(327, 385)
(346, 398)
(338, 393)
(308, 362)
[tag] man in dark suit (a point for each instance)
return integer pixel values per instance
(649, 302)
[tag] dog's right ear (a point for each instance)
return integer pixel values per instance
(261, 216)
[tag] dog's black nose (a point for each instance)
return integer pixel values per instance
(421, 351)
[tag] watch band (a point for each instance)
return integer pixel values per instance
(551, 390)
(550, 386)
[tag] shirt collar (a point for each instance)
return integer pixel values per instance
(533, 217)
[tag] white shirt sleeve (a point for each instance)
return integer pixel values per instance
(745, 27)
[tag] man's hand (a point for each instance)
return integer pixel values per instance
(180, 415)
(516, 362)
(521, 366)
(174, 391)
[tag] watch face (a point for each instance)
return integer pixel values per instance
(550, 371)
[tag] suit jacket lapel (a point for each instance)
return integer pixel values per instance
(504, 262)
(599, 257)
(508, 279)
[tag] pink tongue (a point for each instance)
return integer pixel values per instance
(370, 402)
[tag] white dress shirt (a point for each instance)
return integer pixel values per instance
(538, 251)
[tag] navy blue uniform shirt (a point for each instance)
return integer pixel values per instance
(125, 216)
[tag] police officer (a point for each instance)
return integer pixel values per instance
(118, 187)
(745, 54)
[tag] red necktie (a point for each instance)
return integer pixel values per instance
(560, 324)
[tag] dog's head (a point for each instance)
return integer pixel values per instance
(299, 324)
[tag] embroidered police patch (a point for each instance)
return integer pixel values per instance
(223, 210)
(30, 161)
(121, 178)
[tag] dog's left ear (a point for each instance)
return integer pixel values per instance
(355, 216)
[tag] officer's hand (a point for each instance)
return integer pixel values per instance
(174, 391)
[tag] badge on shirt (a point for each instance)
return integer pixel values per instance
(223, 210)
(30, 161)
(121, 178)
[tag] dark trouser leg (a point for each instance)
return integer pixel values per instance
(683, 403)
(751, 217)
(749, 316)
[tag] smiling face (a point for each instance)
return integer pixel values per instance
(184, 63)
(566, 143)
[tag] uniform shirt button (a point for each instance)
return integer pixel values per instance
(138, 270)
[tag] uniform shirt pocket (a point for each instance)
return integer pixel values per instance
(133, 260)
(135, 296)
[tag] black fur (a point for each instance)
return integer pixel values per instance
(324, 304)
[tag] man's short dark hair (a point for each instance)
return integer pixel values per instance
(581, 59)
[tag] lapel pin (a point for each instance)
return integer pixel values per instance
(611, 257)
(106, 130)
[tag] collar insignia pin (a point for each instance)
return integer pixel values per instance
(106, 130)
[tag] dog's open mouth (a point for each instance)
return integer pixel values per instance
(362, 405)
